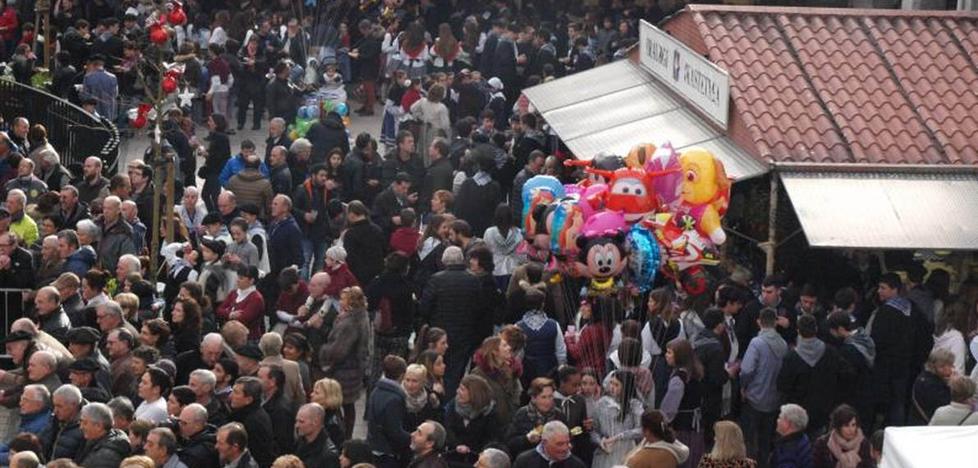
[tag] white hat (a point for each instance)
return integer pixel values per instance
(496, 83)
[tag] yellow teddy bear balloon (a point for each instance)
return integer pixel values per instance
(705, 193)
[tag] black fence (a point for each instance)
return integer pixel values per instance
(74, 133)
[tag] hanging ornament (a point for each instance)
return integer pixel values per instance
(157, 34)
(169, 84)
(177, 17)
(186, 97)
(139, 121)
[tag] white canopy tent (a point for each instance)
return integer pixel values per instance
(930, 446)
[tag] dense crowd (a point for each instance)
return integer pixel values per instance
(311, 273)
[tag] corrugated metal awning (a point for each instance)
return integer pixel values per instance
(886, 210)
(614, 107)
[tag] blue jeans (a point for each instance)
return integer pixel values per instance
(315, 252)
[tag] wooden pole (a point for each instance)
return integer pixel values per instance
(772, 226)
(43, 10)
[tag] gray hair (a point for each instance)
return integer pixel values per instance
(496, 458)
(112, 307)
(25, 459)
(168, 439)
(112, 199)
(122, 407)
(133, 261)
(453, 256)
(69, 393)
(18, 195)
(198, 411)
(89, 228)
(41, 393)
(278, 120)
(99, 413)
(49, 156)
(270, 344)
(191, 191)
(47, 358)
(301, 144)
(52, 239)
(24, 324)
(316, 410)
(795, 415)
(205, 376)
(212, 338)
(554, 428)
(69, 236)
(437, 435)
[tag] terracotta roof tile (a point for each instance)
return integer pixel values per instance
(871, 86)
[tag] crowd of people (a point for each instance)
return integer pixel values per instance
(306, 275)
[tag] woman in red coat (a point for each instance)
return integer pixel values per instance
(245, 304)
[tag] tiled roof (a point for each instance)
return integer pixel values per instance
(845, 86)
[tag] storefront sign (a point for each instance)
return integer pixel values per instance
(693, 77)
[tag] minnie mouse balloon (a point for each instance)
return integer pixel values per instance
(605, 223)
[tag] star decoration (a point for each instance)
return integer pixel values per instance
(186, 97)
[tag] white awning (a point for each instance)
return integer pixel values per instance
(614, 107)
(886, 210)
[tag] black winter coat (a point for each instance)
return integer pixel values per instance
(61, 440)
(451, 302)
(198, 451)
(280, 100)
(817, 389)
(107, 452)
(393, 165)
(929, 393)
(310, 198)
(327, 134)
(482, 431)
(386, 206)
(355, 173)
(893, 335)
(710, 352)
(365, 247)
(477, 204)
(282, 413)
(385, 419)
(395, 289)
(522, 423)
(320, 452)
(261, 438)
(532, 459)
(439, 176)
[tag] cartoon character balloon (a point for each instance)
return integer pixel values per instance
(643, 257)
(565, 224)
(629, 191)
(705, 193)
(668, 181)
(602, 258)
(600, 161)
(538, 190)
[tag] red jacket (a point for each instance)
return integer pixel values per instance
(8, 20)
(252, 310)
(340, 279)
(405, 240)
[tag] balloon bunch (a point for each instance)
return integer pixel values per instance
(175, 16)
(654, 210)
(310, 113)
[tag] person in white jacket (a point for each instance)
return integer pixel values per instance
(961, 410)
(949, 333)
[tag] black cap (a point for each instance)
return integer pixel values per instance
(85, 365)
(19, 335)
(84, 335)
(249, 207)
(96, 58)
(249, 271)
(250, 351)
(214, 245)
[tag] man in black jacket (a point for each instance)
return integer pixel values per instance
(309, 211)
(812, 375)
(504, 61)
(197, 438)
(313, 445)
(387, 208)
(554, 450)
(364, 242)
(385, 415)
(280, 410)
(440, 174)
(709, 349)
(278, 94)
(246, 409)
(890, 326)
(451, 302)
(403, 159)
(858, 349)
(327, 134)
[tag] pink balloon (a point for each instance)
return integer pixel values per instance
(605, 223)
(594, 195)
(668, 187)
(573, 189)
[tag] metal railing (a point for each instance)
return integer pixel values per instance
(12, 302)
(74, 133)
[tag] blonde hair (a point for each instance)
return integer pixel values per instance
(333, 391)
(729, 443)
(355, 295)
(129, 303)
(417, 369)
(138, 461)
(288, 461)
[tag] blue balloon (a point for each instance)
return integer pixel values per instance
(536, 183)
(342, 109)
(643, 259)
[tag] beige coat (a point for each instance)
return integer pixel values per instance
(293, 390)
